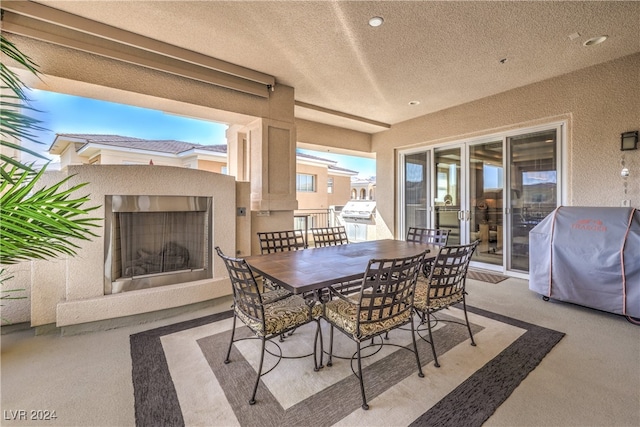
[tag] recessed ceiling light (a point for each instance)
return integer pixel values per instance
(414, 102)
(595, 40)
(376, 21)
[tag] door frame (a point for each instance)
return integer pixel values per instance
(561, 127)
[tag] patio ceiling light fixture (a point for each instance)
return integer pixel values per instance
(376, 21)
(595, 40)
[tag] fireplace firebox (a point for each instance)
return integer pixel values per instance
(156, 241)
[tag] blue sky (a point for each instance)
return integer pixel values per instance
(61, 113)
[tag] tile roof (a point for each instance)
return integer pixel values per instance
(169, 146)
(160, 145)
(308, 156)
(339, 169)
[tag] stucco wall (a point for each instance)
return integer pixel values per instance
(341, 190)
(317, 199)
(109, 157)
(598, 103)
(211, 166)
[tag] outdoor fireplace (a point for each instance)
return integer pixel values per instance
(156, 241)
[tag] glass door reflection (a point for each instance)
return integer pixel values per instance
(486, 183)
(534, 189)
(447, 198)
(416, 190)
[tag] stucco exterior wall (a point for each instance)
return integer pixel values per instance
(211, 166)
(318, 199)
(341, 190)
(598, 104)
(109, 157)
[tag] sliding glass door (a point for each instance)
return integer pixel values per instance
(486, 194)
(416, 190)
(449, 207)
(534, 190)
(494, 190)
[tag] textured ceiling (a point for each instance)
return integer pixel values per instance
(441, 54)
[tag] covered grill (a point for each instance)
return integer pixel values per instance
(358, 217)
(359, 211)
(588, 256)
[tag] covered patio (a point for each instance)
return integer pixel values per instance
(589, 378)
(435, 76)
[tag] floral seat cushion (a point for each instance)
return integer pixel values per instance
(446, 297)
(274, 295)
(342, 313)
(282, 315)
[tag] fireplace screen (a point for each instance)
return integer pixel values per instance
(157, 240)
(160, 242)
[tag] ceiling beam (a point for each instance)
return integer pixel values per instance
(341, 114)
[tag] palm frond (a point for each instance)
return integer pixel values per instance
(41, 223)
(14, 123)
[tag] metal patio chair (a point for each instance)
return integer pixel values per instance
(329, 236)
(444, 287)
(267, 319)
(384, 303)
(434, 236)
(281, 241)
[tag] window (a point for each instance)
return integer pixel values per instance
(305, 183)
(330, 185)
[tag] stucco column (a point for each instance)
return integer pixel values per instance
(237, 160)
(271, 154)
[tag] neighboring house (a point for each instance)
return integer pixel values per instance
(319, 182)
(363, 189)
(78, 149)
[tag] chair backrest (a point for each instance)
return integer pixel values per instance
(449, 270)
(329, 236)
(387, 291)
(435, 236)
(246, 293)
(281, 241)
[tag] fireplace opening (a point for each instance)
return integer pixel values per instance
(156, 241)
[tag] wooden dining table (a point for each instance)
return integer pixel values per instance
(316, 268)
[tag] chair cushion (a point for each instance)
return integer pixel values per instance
(435, 302)
(276, 294)
(342, 314)
(282, 315)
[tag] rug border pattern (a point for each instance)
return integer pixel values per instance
(152, 380)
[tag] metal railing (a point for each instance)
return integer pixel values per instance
(306, 219)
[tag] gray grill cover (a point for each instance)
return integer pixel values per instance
(588, 256)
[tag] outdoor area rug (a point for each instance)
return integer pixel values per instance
(483, 276)
(179, 377)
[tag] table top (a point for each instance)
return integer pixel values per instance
(316, 268)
